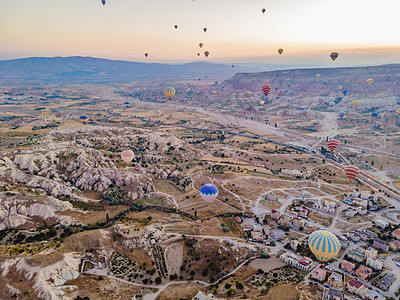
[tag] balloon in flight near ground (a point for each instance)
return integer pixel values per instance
(318, 75)
(84, 119)
(267, 119)
(345, 92)
(262, 102)
(127, 156)
(146, 54)
(205, 29)
(334, 55)
(104, 2)
(374, 114)
(209, 192)
(331, 103)
(355, 102)
(169, 92)
(263, 10)
(332, 144)
(280, 51)
(323, 244)
(341, 114)
(127, 104)
(369, 81)
(352, 172)
(340, 87)
(266, 89)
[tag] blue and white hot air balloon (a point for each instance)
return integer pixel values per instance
(209, 192)
(323, 244)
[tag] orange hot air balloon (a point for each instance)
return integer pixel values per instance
(332, 144)
(352, 172)
(369, 81)
(265, 81)
(266, 89)
(280, 51)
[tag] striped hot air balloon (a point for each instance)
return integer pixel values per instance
(323, 244)
(266, 89)
(127, 156)
(209, 192)
(332, 144)
(334, 55)
(169, 92)
(84, 119)
(369, 81)
(352, 172)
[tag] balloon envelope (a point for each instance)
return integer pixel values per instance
(332, 144)
(146, 54)
(323, 244)
(334, 55)
(280, 51)
(352, 172)
(201, 45)
(206, 53)
(84, 119)
(169, 92)
(341, 114)
(204, 29)
(369, 81)
(355, 102)
(127, 156)
(267, 119)
(266, 89)
(263, 10)
(345, 92)
(209, 192)
(374, 114)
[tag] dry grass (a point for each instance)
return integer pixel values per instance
(283, 292)
(181, 291)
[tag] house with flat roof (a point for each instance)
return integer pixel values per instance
(356, 287)
(348, 266)
(395, 245)
(356, 256)
(319, 274)
(363, 272)
(335, 280)
(396, 233)
(381, 245)
(386, 281)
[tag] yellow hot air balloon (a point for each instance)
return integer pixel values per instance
(214, 91)
(369, 81)
(169, 92)
(355, 102)
(323, 244)
(398, 111)
(318, 75)
(262, 102)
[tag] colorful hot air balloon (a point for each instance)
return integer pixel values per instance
(209, 193)
(205, 29)
(206, 53)
(127, 104)
(262, 102)
(352, 172)
(355, 102)
(267, 119)
(169, 92)
(84, 119)
(263, 10)
(127, 156)
(146, 54)
(280, 51)
(266, 89)
(374, 114)
(341, 114)
(323, 244)
(334, 55)
(369, 81)
(176, 26)
(345, 92)
(201, 45)
(332, 144)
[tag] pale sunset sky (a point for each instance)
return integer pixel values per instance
(362, 31)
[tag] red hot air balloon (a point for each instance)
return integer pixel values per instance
(332, 144)
(266, 89)
(198, 54)
(352, 172)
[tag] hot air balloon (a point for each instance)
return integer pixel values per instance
(84, 119)
(248, 94)
(334, 55)
(263, 10)
(127, 156)
(206, 53)
(280, 51)
(341, 114)
(331, 103)
(398, 111)
(318, 75)
(352, 172)
(332, 144)
(209, 193)
(176, 26)
(323, 244)
(127, 104)
(267, 119)
(198, 54)
(340, 87)
(266, 89)
(369, 81)
(262, 102)
(104, 2)
(214, 91)
(169, 92)
(201, 45)
(205, 29)
(265, 81)
(233, 66)
(374, 114)
(345, 92)
(355, 102)
(146, 54)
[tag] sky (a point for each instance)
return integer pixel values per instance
(362, 31)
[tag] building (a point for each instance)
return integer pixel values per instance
(294, 244)
(303, 212)
(355, 236)
(363, 272)
(349, 213)
(370, 235)
(386, 281)
(319, 274)
(348, 266)
(374, 295)
(298, 222)
(334, 295)
(381, 223)
(275, 214)
(381, 245)
(257, 236)
(356, 256)
(272, 197)
(356, 287)
(396, 233)
(285, 220)
(395, 245)
(374, 263)
(362, 211)
(335, 280)
(302, 263)
(348, 201)
(296, 173)
(371, 253)
(277, 234)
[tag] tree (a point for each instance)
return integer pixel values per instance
(230, 292)
(228, 286)
(158, 280)
(239, 285)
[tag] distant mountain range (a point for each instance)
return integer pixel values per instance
(78, 69)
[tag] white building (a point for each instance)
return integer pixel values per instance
(374, 263)
(381, 223)
(371, 253)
